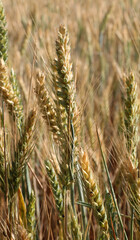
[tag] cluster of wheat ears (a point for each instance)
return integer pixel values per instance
(52, 184)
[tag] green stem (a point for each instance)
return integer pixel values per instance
(81, 197)
(72, 167)
(65, 233)
(132, 224)
(111, 188)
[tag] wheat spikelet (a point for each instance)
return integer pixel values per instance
(131, 180)
(57, 192)
(16, 89)
(62, 115)
(3, 35)
(111, 215)
(131, 118)
(66, 111)
(77, 235)
(9, 96)
(132, 187)
(63, 81)
(26, 37)
(24, 149)
(31, 215)
(64, 77)
(28, 129)
(45, 104)
(93, 194)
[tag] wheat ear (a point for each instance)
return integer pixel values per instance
(131, 118)
(9, 96)
(77, 235)
(24, 149)
(64, 82)
(66, 111)
(93, 194)
(57, 192)
(131, 135)
(132, 186)
(31, 215)
(46, 107)
(26, 38)
(111, 215)
(16, 89)
(3, 34)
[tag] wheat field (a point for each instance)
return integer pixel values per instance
(69, 120)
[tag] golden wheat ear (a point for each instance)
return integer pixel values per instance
(93, 194)
(131, 118)
(17, 91)
(9, 96)
(64, 83)
(45, 104)
(131, 121)
(65, 105)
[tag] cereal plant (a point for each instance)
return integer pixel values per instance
(69, 120)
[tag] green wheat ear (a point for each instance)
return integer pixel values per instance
(22, 153)
(76, 232)
(111, 215)
(3, 34)
(57, 192)
(31, 216)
